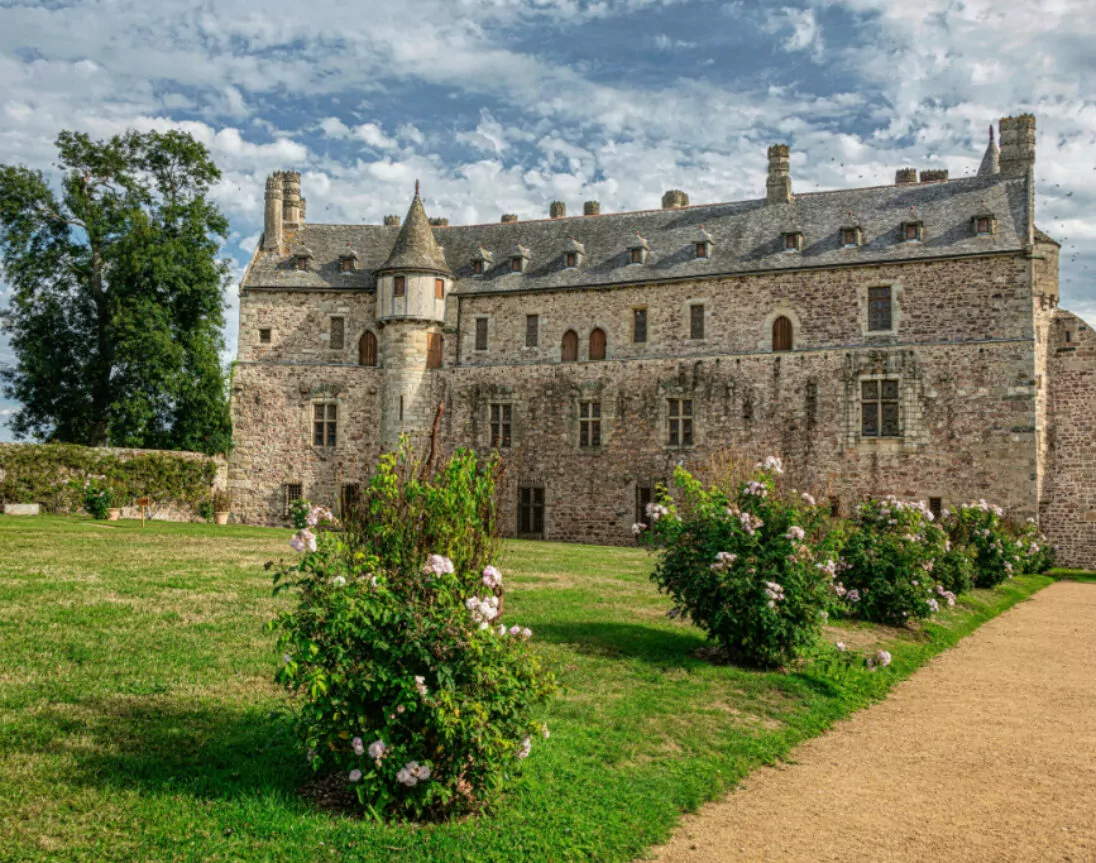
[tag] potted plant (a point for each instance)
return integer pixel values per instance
(222, 505)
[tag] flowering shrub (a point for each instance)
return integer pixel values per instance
(410, 683)
(298, 512)
(890, 561)
(98, 497)
(996, 553)
(1036, 553)
(750, 566)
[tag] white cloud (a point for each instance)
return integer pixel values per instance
(372, 135)
(333, 127)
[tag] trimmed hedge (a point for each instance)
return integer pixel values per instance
(43, 474)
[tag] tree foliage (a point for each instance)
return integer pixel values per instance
(116, 311)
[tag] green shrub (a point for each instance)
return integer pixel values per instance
(411, 682)
(889, 563)
(753, 567)
(205, 510)
(298, 512)
(982, 528)
(98, 498)
(1036, 553)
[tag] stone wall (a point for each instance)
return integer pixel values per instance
(1068, 510)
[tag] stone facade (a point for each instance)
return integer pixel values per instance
(674, 310)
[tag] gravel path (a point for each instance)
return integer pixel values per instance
(988, 753)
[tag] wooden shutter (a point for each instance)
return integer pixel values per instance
(367, 349)
(439, 289)
(782, 334)
(597, 344)
(433, 350)
(569, 353)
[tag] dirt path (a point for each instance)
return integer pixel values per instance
(987, 754)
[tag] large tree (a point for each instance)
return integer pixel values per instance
(117, 309)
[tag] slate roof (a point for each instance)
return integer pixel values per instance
(415, 247)
(747, 237)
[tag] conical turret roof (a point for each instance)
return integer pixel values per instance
(991, 161)
(415, 247)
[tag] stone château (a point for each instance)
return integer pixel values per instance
(901, 339)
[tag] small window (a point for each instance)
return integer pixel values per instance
(637, 256)
(569, 347)
(680, 422)
(589, 424)
(913, 232)
(264, 336)
(982, 225)
(439, 289)
(597, 344)
(516, 264)
(696, 321)
(291, 492)
(572, 260)
(639, 325)
(434, 346)
(879, 308)
(850, 236)
(793, 241)
(477, 267)
(835, 507)
(782, 334)
(338, 334)
(302, 262)
(879, 408)
(324, 422)
(501, 415)
(645, 496)
(346, 265)
(935, 506)
(367, 349)
(481, 334)
(399, 286)
(531, 512)
(532, 330)
(702, 250)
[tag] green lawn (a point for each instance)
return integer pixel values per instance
(138, 720)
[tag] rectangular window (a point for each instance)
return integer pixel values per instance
(879, 308)
(935, 506)
(399, 286)
(680, 422)
(792, 242)
(338, 334)
(500, 426)
(879, 408)
(572, 259)
(835, 506)
(913, 231)
(531, 511)
(983, 225)
(302, 263)
(637, 256)
(589, 424)
(347, 265)
(481, 334)
(515, 265)
(702, 250)
(532, 331)
(433, 350)
(477, 268)
(439, 289)
(324, 422)
(849, 237)
(645, 495)
(291, 491)
(639, 325)
(696, 322)
(264, 337)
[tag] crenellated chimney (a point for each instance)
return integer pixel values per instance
(557, 210)
(272, 217)
(778, 188)
(1017, 145)
(509, 217)
(591, 208)
(933, 175)
(392, 221)
(675, 199)
(292, 202)
(905, 176)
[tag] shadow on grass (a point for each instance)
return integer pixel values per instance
(208, 751)
(626, 641)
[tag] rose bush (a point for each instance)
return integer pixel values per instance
(410, 682)
(996, 553)
(752, 565)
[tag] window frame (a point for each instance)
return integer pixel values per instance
(532, 330)
(563, 358)
(291, 491)
(851, 237)
(500, 420)
(680, 422)
(637, 254)
(597, 353)
(570, 260)
(324, 421)
(399, 286)
(478, 267)
(703, 249)
(878, 399)
(368, 346)
(481, 339)
(589, 424)
(435, 350)
(697, 322)
(336, 325)
(636, 313)
(793, 241)
(872, 304)
(346, 264)
(439, 289)
(531, 511)
(791, 334)
(265, 335)
(918, 228)
(517, 264)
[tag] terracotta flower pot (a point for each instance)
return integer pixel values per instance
(114, 514)
(220, 517)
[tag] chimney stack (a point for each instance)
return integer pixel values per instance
(557, 210)
(292, 202)
(1017, 145)
(933, 175)
(508, 217)
(391, 221)
(591, 208)
(675, 199)
(905, 176)
(778, 188)
(272, 217)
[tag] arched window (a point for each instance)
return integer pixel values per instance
(782, 334)
(569, 352)
(597, 344)
(367, 349)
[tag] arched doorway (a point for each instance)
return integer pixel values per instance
(782, 334)
(367, 349)
(597, 344)
(569, 349)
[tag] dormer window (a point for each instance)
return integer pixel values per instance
(348, 262)
(639, 250)
(519, 259)
(481, 261)
(851, 237)
(984, 225)
(574, 254)
(304, 259)
(913, 232)
(704, 244)
(793, 241)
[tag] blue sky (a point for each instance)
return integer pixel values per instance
(505, 105)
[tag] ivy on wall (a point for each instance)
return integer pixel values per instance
(44, 474)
